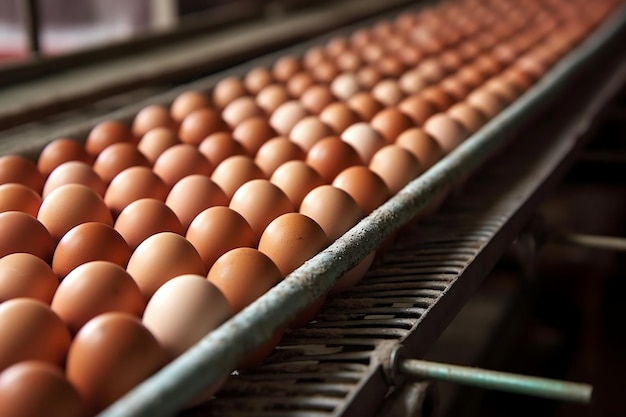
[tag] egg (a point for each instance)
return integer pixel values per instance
(22, 232)
(502, 88)
(187, 102)
(145, 217)
(368, 76)
(388, 92)
(105, 134)
(240, 109)
(364, 139)
(257, 78)
(18, 197)
(74, 172)
(275, 152)
(367, 188)
(396, 166)
(338, 116)
(259, 202)
(180, 161)
(59, 151)
(253, 133)
(390, 122)
(192, 194)
(330, 156)
(417, 108)
(470, 76)
(87, 242)
(160, 258)
(438, 97)
(271, 97)
(432, 70)
(234, 171)
(316, 97)
(227, 90)
(349, 61)
(173, 312)
(345, 86)
(285, 67)
(298, 83)
(325, 71)
(364, 105)
(131, 185)
(487, 103)
(426, 149)
(217, 230)
(219, 146)
(199, 124)
(308, 131)
(151, 117)
(391, 65)
(17, 169)
(156, 141)
(284, 118)
(296, 178)
(412, 82)
(336, 46)
(30, 330)
(116, 158)
(35, 388)
(71, 205)
(26, 275)
(109, 356)
(313, 56)
(446, 131)
(468, 116)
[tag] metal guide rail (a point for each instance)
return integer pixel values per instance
(340, 365)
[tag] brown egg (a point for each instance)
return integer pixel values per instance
(372, 52)
(316, 97)
(468, 116)
(91, 241)
(241, 109)
(364, 139)
(161, 257)
(387, 92)
(451, 60)
(74, 172)
(390, 122)
(17, 169)
(291, 239)
(446, 131)
(518, 78)
(192, 194)
(275, 152)
(149, 118)
(417, 108)
(131, 185)
(146, 217)
(227, 90)
(330, 156)
(71, 205)
(364, 105)
(488, 65)
(286, 116)
(107, 133)
(487, 103)
(217, 230)
(256, 79)
(336, 46)
(338, 116)
(260, 202)
(285, 67)
(368, 76)
(30, 330)
(502, 88)
(116, 158)
(349, 61)
(22, 232)
(412, 82)
(219, 146)
(179, 161)
(110, 355)
(59, 151)
(360, 38)
(437, 97)
(345, 86)
(298, 83)
(243, 275)
(156, 141)
(35, 388)
(470, 76)
(454, 88)
(432, 70)
(426, 149)
(313, 56)
(234, 171)
(391, 66)
(325, 71)
(504, 53)
(333, 209)
(410, 55)
(187, 102)
(367, 188)
(396, 166)
(253, 133)
(26, 275)
(199, 124)
(308, 131)
(296, 179)
(94, 288)
(271, 97)
(18, 197)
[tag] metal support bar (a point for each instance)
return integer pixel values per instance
(500, 381)
(30, 19)
(591, 241)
